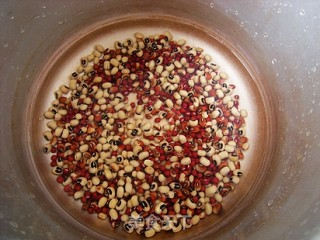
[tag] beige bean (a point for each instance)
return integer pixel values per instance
(201, 153)
(223, 75)
(235, 112)
(163, 189)
(229, 148)
(243, 113)
(134, 201)
(95, 180)
(78, 194)
(108, 174)
(143, 155)
(231, 166)
(114, 70)
(195, 219)
(150, 233)
(128, 188)
(102, 202)
(52, 124)
(193, 123)
(84, 148)
(211, 190)
(65, 133)
(223, 154)
(113, 203)
(148, 163)
(245, 146)
(102, 216)
(120, 192)
(113, 214)
(208, 208)
(141, 175)
(182, 139)
(157, 104)
(204, 161)
(224, 171)
(186, 161)
(73, 84)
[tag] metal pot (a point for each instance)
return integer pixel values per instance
(277, 200)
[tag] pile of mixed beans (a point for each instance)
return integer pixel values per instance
(147, 128)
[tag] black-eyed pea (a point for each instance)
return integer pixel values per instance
(237, 173)
(145, 205)
(110, 192)
(67, 181)
(168, 225)
(129, 227)
(154, 186)
(57, 170)
(47, 148)
(233, 157)
(177, 228)
(235, 179)
(160, 207)
(190, 204)
(121, 204)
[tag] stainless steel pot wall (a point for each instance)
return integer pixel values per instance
(278, 38)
